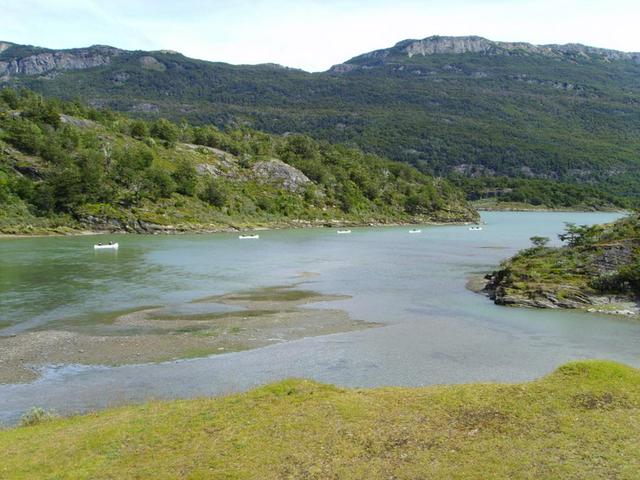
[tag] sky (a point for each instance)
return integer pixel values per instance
(310, 34)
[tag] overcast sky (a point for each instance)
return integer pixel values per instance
(310, 34)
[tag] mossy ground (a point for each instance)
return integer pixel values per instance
(581, 422)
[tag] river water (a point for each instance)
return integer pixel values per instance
(434, 330)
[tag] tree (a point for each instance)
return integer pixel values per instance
(214, 193)
(539, 242)
(156, 184)
(10, 97)
(579, 235)
(165, 130)
(139, 129)
(129, 163)
(186, 177)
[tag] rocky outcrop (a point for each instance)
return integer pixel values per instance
(77, 122)
(436, 45)
(47, 61)
(276, 171)
(131, 225)
(343, 68)
(151, 63)
(440, 45)
(560, 296)
(4, 46)
(587, 280)
(145, 108)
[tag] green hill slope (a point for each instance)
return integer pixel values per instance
(65, 166)
(548, 125)
(581, 422)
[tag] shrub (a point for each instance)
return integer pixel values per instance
(35, 416)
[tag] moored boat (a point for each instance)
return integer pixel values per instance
(415, 230)
(249, 237)
(342, 232)
(106, 246)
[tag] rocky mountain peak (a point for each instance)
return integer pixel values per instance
(43, 61)
(445, 45)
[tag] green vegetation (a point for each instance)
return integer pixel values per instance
(581, 422)
(597, 261)
(64, 165)
(35, 416)
(544, 130)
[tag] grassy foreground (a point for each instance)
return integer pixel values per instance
(582, 421)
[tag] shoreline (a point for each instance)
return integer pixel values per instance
(622, 307)
(299, 428)
(203, 231)
(551, 210)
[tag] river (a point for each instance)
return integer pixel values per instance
(433, 329)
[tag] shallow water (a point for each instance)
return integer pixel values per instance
(435, 331)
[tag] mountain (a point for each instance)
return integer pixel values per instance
(554, 125)
(65, 166)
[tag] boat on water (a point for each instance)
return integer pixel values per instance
(415, 230)
(249, 237)
(475, 228)
(106, 246)
(342, 232)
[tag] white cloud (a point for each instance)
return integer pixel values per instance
(310, 34)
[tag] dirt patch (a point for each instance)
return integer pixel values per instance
(600, 401)
(259, 318)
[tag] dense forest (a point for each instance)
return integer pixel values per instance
(559, 130)
(66, 165)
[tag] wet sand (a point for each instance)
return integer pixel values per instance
(258, 318)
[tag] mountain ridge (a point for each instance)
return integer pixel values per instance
(526, 123)
(436, 44)
(432, 45)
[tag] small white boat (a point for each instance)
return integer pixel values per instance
(249, 237)
(415, 230)
(342, 232)
(105, 246)
(475, 228)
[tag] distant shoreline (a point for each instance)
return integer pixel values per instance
(204, 230)
(522, 207)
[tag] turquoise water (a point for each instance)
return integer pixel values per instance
(435, 331)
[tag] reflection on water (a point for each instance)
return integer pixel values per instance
(436, 331)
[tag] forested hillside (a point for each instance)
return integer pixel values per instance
(66, 166)
(552, 125)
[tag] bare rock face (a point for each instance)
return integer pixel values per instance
(343, 68)
(77, 122)
(48, 61)
(4, 46)
(276, 171)
(150, 63)
(145, 108)
(437, 45)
